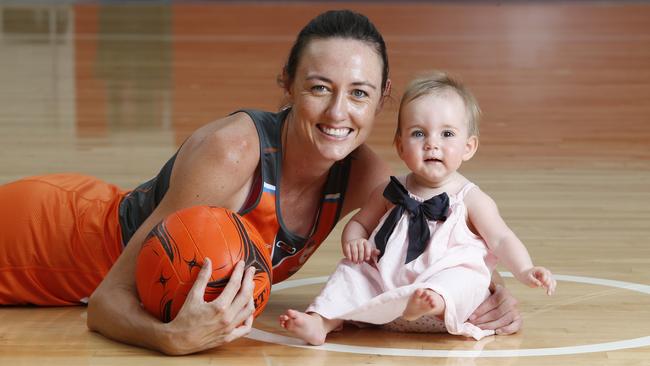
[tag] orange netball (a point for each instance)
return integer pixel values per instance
(172, 255)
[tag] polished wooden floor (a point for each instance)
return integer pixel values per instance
(112, 90)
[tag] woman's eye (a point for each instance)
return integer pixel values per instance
(319, 89)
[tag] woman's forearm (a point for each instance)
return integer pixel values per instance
(114, 307)
(118, 315)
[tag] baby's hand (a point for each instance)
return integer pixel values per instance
(359, 250)
(540, 276)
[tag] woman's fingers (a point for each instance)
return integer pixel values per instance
(198, 289)
(243, 329)
(232, 288)
(498, 312)
(201, 325)
(515, 325)
(242, 305)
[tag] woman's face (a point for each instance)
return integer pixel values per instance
(335, 95)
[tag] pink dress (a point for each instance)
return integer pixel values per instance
(456, 264)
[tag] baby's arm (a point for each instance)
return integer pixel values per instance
(485, 220)
(354, 240)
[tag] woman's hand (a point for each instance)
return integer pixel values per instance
(202, 325)
(359, 250)
(498, 312)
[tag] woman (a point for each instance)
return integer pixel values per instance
(303, 157)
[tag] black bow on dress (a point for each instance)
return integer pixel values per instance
(434, 208)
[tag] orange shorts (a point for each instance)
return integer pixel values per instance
(59, 236)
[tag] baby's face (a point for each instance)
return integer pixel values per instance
(434, 139)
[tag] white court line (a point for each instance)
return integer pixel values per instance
(268, 337)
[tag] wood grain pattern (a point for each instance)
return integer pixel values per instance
(112, 90)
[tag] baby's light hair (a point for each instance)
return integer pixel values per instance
(439, 82)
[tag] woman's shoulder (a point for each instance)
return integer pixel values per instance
(229, 142)
(239, 124)
(216, 163)
(233, 133)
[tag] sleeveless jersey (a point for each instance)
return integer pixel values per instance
(262, 208)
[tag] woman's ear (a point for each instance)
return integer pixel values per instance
(287, 98)
(387, 89)
(284, 83)
(385, 94)
(470, 147)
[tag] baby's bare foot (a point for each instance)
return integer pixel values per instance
(424, 302)
(308, 327)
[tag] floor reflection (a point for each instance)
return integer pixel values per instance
(124, 69)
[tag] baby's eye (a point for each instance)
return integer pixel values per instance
(448, 134)
(358, 93)
(417, 133)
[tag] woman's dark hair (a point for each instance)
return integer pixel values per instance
(332, 24)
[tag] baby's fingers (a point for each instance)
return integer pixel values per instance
(368, 251)
(358, 253)
(349, 250)
(550, 286)
(533, 281)
(546, 278)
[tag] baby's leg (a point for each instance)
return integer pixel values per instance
(424, 302)
(310, 327)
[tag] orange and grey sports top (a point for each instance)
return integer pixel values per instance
(262, 208)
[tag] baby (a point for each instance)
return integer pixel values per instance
(424, 244)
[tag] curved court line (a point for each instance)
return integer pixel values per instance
(268, 337)
(263, 336)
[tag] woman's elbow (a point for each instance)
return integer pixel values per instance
(94, 311)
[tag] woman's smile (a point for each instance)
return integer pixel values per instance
(334, 132)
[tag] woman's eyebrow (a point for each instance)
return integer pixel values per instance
(328, 80)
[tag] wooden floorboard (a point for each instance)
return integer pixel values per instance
(111, 90)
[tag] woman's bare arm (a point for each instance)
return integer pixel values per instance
(215, 167)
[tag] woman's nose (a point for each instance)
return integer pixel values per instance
(338, 108)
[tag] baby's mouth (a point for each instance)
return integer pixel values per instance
(433, 160)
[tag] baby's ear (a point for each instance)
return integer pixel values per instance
(398, 145)
(470, 147)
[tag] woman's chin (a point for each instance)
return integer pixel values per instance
(335, 154)
(335, 149)
(340, 157)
